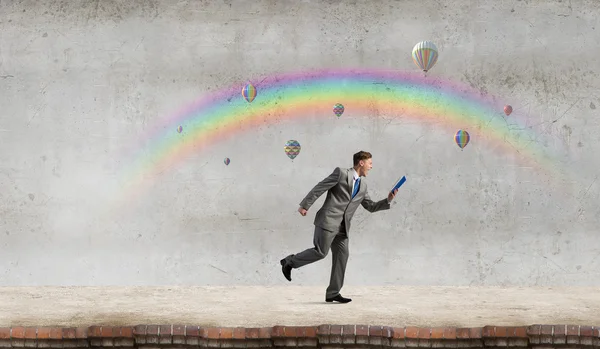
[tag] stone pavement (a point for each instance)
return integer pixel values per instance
(256, 306)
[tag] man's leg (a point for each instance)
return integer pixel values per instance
(322, 241)
(340, 252)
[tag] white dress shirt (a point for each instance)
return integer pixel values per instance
(354, 180)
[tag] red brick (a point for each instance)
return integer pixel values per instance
(252, 333)
(4, 332)
(67, 333)
(139, 330)
(126, 332)
(348, 334)
(43, 333)
(335, 330)
(546, 330)
(178, 330)
(94, 331)
(300, 331)
(264, 332)
(30, 333)
(81, 332)
(112, 331)
(289, 331)
(462, 333)
(323, 330)
(152, 330)
(560, 330)
(349, 330)
(192, 331)
(239, 333)
(534, 330)
(18, 332)
(586, 331)
(226, 333)
(411, 332)
(475, 332)
(510, 331)
(437, 333)
(521, 332)
(106, 331)
(489, 331)
(449, 333)
(398, 332)
(212, 333)
(362, 330)
(278, 331)
(387, 331)
(165, 331)
(572, 330)
(116, 332)
(501, 332)
(424, 333)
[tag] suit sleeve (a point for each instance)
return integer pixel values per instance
(373, 206)
(323, 186)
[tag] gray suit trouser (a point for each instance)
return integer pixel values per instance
(324, 240)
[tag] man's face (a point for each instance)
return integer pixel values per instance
(364, 167)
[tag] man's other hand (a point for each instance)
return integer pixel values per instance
(302, 211)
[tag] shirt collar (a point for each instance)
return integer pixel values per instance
(355, 174)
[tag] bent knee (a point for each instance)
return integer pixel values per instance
(321, 254)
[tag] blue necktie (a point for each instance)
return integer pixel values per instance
(356, 187)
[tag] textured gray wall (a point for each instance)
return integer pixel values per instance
(83, 82)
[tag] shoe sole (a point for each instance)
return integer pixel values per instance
(331, 300)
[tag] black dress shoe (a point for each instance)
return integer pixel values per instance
(286, 269)
(338, 298)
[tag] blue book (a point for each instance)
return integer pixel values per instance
(399, 183)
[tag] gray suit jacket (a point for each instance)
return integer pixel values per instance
(338, 205)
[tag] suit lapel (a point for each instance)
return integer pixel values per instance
(350, 178)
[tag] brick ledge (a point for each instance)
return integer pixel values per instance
(323, 336)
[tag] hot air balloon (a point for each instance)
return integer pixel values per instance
(462, 138)
(227, 161)
(179, 129)
(249, 92)
(507, 110)
(292, 148)
(338, 110)
(425, 55)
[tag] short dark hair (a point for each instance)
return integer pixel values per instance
(361, 155)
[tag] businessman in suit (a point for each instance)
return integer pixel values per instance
(346, 189)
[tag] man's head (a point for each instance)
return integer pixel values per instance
(363, 162)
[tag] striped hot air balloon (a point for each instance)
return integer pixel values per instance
(292, 148)
(227, 161)
(425, 55)
(338, 109)
(508, 110)
(179, 129)
(249, 93)
(462, 138)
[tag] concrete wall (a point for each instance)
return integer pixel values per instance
(83, 82)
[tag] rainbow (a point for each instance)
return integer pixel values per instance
(217, 117)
